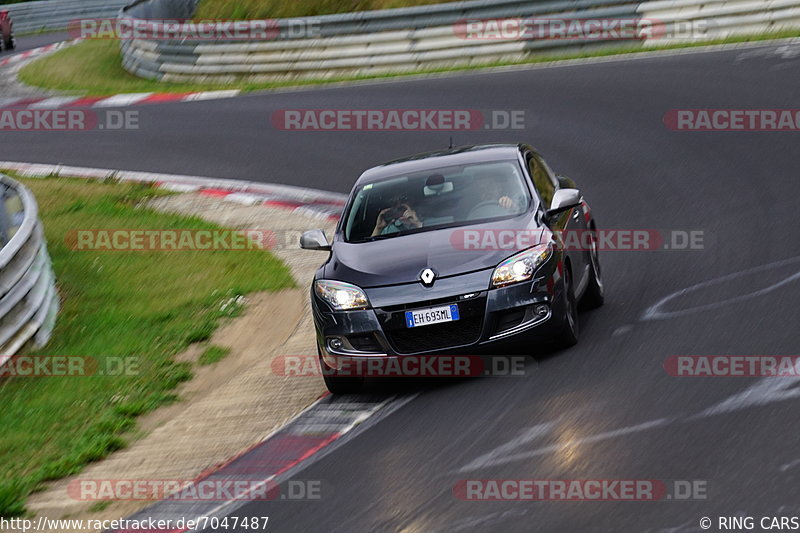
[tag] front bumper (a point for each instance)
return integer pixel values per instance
(492, 321)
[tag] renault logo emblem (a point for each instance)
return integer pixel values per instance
(427, 277)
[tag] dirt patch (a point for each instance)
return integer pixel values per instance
(230, 405)
(249, 341)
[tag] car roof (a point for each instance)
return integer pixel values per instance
(459, 155)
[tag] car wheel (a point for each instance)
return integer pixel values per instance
(12, 42)
(2, 44)
(568, 335)
(595, 291)
(339, 384)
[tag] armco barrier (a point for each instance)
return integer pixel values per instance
(28, 297)
(364, 43)
(419, 38)
(30, 17)
(724, 18)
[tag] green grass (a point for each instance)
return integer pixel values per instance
(100, 506)
(213, 354)
(93, 68)
(144, 306)
(253, 9)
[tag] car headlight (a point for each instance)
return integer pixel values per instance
(340, 295)
(520, 267)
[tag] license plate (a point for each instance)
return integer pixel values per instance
(431, 315)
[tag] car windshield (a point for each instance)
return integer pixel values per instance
(435, 199)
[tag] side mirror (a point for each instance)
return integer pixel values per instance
(314, 240)
(564, 200)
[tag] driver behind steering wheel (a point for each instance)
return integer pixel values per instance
(491, 191)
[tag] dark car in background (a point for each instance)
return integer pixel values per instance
(456, 251)
(7, 41)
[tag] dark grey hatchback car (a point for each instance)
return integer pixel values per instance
(459, 251)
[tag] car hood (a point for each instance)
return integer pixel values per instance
(448, 252)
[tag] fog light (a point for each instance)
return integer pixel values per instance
(335, 343)
(541, 310)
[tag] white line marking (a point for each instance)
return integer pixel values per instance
(121, 100)
(54, 102)
(179, 187)
(764, 391)
(789, 465)
(211, 95)
(622, 330)
(8, 102)
(574, 442)
(654, 312)
(528, 435)
(243, 198)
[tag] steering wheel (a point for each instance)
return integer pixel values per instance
(485, 209)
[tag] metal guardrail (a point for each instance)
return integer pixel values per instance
(725, 18)
(46, 15)
(417, 38)
(364, 43)
(28, 298)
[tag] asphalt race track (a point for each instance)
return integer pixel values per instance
(605, 409)
(35, 40)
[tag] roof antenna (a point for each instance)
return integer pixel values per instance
(451, 143)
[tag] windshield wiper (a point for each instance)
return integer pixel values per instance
(382, 237)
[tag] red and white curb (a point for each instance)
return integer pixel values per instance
(117, 100)
(311, 202)
(30, 54)
(314, 433)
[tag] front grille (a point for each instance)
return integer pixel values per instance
(466, 330)
(436, 336)
(425, 303)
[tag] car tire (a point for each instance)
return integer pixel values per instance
(595, 294)
(339, 384)
(12, 42)
(568, 334)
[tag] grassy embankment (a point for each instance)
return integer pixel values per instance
(140, 308)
